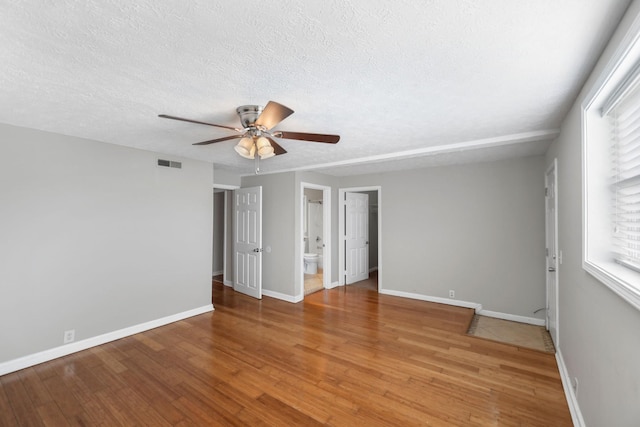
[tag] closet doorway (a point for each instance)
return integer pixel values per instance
(347, 256)
(222, 242)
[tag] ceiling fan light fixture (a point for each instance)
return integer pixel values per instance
(267, 155)
(265, 150)
(246, 148)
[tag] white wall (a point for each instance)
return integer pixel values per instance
(96, 237)
(599, 332)
(477, 229)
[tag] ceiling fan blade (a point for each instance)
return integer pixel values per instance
(226, 138)
(277, 148)
(314, 137)
(164, 116)
(273, 114)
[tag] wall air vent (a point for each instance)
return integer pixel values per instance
(169, 164)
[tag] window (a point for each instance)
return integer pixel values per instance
(611, 172)
(624, 117)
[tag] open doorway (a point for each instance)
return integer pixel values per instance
(222, 262)
(360, 226)
(315, 253)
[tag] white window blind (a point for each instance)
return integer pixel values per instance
(611, 172)
(625, 117)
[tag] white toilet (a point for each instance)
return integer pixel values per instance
(310, 263)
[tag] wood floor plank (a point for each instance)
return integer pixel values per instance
(142, 409)
(93, 413)
(346, 356)
(69, 404)
(51, 415)
(22, 407)
(7, 418)
(34, 386)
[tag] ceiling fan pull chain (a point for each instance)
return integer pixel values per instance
(256, 161)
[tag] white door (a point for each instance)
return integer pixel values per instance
(551, 204)
(247, 246)
(357, 237)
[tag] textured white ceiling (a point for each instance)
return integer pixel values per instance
(390, 76)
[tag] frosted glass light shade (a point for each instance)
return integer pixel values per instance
(246, 148)
(265, 150)
(268, 155)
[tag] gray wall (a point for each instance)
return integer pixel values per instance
(599, 333)
(477, 229)
(226, 178)
(278, 231)
(96, 237)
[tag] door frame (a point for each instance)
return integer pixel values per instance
(341, 230)
(326, 235)
(552, 167)
(228, 228)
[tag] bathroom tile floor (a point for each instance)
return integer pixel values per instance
(313, 282)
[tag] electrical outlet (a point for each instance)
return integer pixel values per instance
(452, 293)
(69, 336)
(575, 386)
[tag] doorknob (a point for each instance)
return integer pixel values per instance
(257, 250)
(551, 269)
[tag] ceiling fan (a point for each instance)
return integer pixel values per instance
(256, 133)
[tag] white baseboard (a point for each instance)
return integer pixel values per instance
(477, 307)
(54, 353)
(228, 283)
(372, 269)
(439, 300)
(333, 285)
(512, 317)
(217, 273)
(572, 400)
(284, 297)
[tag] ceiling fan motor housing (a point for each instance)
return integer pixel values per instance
(249, 114)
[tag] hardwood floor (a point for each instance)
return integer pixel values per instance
(346, 356)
